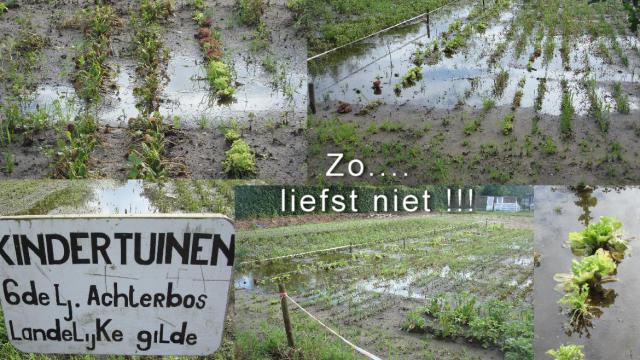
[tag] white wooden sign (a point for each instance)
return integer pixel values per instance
(129, 285)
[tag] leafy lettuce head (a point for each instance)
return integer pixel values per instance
(593, 267)
(604, 234)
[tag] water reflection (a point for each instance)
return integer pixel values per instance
(585, 201)
(598, 299)
(121, 198)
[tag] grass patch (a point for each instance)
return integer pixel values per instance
(38, 197)
(566, 110)
(250, 11)
(622, 100)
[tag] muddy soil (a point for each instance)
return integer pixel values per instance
(558, 212)
(275, 119)
(486, 155)
(435, 112)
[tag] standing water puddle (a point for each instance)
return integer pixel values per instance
(125, 198)
(399, 287)
(111, 197)
(187, 94)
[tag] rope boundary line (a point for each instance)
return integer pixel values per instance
(336, 248)
(380, 31)
(355, 347)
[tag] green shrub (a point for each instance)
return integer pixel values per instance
(250, 11)
(471, 127)
(507, 124)
(488, 103)
(231, 135)
(485, 330)
(589, 271)
(414, 322)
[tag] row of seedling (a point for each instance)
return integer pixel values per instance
(219, 74)
(509, 118)
(492, 324)
(602, 248)
(19, 58)
(566, 109)
(240, 160)
(598, 109)
(146, 155)
(76, 140)
(457, 35)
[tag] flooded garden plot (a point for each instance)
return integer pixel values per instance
(600, 318)
(152, 89)
(392, 286)
(508, 92)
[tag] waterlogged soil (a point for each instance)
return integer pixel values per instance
(366, 293)
(558, 212)
(435, 112)
(114, 197)
(271, 107)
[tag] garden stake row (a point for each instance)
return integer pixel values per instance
(219, 74)
(351, 246)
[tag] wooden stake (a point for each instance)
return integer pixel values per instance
(312, 98)
(285, 315)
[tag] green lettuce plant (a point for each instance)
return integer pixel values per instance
(413, 75)
(240, 161)
(580, 310)
(567, 352)
(591, 270)
(604, 234)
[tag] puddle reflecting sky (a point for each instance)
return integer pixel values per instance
(121, 198)
(111, 197)
(558, 212)
(186, 93)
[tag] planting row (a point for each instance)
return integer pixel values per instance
(122, 113)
